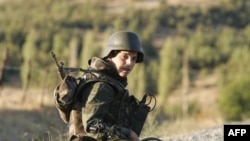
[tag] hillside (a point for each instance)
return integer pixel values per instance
(31, 115)
(38, 118)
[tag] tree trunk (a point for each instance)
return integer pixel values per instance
(185, 82)
(73, 52)
(2, 64)
(26, 86)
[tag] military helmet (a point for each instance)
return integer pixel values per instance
(124, 40)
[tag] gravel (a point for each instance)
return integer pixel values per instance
(211, 134)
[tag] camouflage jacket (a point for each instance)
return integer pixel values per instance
(102, 101)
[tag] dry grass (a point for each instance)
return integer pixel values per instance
(31, 120)
(117, 6)
(204, 92)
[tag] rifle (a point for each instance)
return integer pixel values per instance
(64, 71)
(60, 67)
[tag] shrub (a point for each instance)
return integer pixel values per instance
(234, 100)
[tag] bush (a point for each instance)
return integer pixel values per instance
(234, 100)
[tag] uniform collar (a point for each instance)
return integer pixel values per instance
(107, 68)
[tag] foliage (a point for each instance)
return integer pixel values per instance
(138, 80)
(169, 68)
(89, 48)
(152, 74)
(213, 36)
(234, 100)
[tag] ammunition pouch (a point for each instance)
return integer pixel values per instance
(140, 118)
(141, 114)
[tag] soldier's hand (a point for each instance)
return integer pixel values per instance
(125, 133)
(133, 136)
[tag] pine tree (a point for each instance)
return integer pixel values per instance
(89, 48)
(29, 53)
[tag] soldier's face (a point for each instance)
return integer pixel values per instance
(124, 62)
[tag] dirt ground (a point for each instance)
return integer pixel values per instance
(33, 119)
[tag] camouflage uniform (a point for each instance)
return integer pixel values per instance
(103, 109)
(108, 104)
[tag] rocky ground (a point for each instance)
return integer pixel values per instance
(212, 134)
(208, 134)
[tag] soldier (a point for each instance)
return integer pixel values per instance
(103, 109)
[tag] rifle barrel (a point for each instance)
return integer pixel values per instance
(60, 67)
(55, 59)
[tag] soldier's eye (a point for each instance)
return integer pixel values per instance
(124, 56)
(134, 59)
